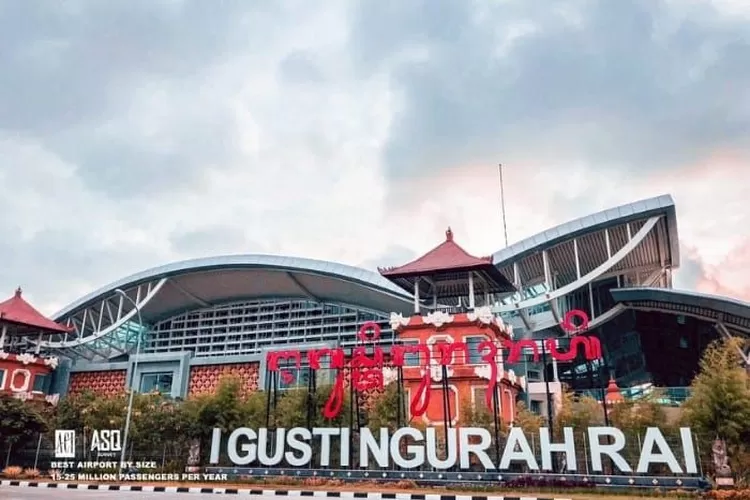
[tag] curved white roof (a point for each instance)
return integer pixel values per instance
(735, 314)
(240, 277)
(592, 223)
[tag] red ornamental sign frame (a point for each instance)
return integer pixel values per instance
(367, 368)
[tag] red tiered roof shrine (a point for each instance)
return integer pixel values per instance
(444, 270)
(18, 317)
(613, 393)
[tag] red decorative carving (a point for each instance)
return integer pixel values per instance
(592, 349)
(398, 352)
(491, 359)
(447, 349)
(367, 327)
(516, 349)
(273, 359)
(365, 371)
(420, 402)
(421, 399)
(335, 401)
(336, 355)
(571, 327)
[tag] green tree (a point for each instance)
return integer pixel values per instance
(292, 408)
(719, 404)
(578, 412)
(635, 416)
(383, 411)
(20, 422)
(226, 409)
(527, 420)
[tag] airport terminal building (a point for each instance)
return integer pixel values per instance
(197, 320)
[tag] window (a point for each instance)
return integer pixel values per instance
(300, 377)
(535, 406)
(411, 358)
(40, 383)
(475, 354)
(478, 397)
(157, 382)
(534, 376)
(2, 379)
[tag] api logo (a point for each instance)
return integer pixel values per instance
(106, 441)
(65, 444)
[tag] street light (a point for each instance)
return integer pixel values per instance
(132, 375)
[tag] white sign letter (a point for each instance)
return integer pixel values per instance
(249, 449)
(516, 438)
(368, 444)
(478, 449)
(325, 443)
(278, 447)
(416, 451)
(568, 446)
(688, 450)
(295, 444)
(664, 454)
(215, 446)
(344, 447)
(451, 449)
(611, 450)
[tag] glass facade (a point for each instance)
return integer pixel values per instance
(249, 327)
(41, 383)
(157, 382)
(641, 350)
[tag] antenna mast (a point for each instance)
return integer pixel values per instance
(502, 201)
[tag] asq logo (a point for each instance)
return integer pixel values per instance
(65, 444)
(106, 441)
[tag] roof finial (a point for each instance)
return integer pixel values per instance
(18, 291)
(449, 234)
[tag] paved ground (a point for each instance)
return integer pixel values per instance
(16, 493)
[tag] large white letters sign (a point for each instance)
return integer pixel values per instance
(381, 448)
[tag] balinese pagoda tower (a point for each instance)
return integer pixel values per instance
(448, 273)
(23, 372)
(453, 295)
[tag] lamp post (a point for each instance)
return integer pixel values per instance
(125, 296)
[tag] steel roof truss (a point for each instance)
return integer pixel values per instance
(620, 255)
(725, 333)
(123, 316)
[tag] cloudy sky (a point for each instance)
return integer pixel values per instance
(137, 133)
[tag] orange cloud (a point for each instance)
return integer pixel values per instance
(731, 277)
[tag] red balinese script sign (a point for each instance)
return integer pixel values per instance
(367, 369)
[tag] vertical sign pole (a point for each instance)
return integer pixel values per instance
(550, 420)
(496, 412)
(502, 200)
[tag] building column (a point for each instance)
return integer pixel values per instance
(416, 296)
(547, 270)
(555, 376)
(471, 291)
(2, 337)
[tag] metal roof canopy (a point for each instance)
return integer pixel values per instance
(199, 282)
(733, 314)
(577, 247)
(98, 319)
